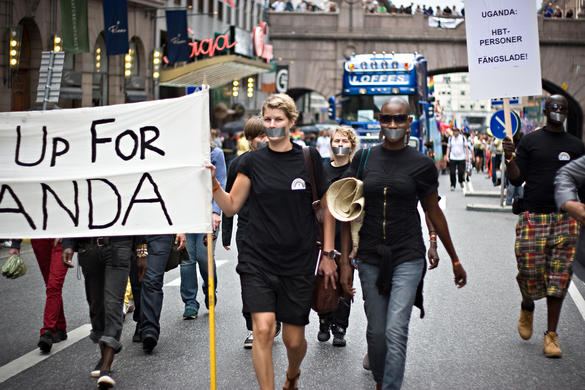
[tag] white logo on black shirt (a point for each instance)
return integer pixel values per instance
(564, 156)
(297, 184)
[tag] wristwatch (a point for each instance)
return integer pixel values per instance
(331, 254)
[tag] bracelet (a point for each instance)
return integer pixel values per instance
(215, 188)
(141, 250)
(433, 236)
(456, 263)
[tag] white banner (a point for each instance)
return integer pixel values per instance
(502, 48)
(444, 22)
(126, 169)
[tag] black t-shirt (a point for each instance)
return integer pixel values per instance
(539, 155)
(394, 182)
(332, 174)
(227, 222)
(281, 234)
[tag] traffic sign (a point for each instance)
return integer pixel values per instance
(498, 126)
(500, 101)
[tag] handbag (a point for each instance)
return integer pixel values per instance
(325, 300)
(176, 257)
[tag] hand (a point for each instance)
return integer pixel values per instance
(211, 167)
(509, 147)
(433, 255)
(227, 248)
(14, 251)
(142, 266)
(460, 275)
(67, 257)
(216, 220)
(346, 280)
(181, 240)
(446, 158)
(328, 268)
(576, 210)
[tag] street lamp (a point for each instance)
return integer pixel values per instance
(14, 46)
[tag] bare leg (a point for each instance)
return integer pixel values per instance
(528, 303)
(264, 327)
(108, 358)
(553, 305)
(296, 348)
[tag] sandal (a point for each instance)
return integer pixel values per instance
(293, 382)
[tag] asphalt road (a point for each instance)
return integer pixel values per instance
(467, 340)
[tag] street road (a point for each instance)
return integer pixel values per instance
(468, 339)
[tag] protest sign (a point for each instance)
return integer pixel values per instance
(103, 171)
(502, 48)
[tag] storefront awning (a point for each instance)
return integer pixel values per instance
(216, 71)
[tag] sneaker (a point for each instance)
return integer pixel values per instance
(551, 345)
(60, 335)
(366, 362)
(461, 184)
(249, 340)
(189, 313)
(323, 334)
(452, 188)
(338, 336)
(45, 342)
(105, 381)
(525, 323)
(149, 341)
(278, 327)
(95, 373)
(137, 337)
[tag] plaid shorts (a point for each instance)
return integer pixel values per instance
(545, 249)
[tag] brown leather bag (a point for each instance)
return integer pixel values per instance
(325, 300)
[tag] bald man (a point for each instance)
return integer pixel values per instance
(545, 237)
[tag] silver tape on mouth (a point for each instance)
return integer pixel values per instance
(557, 117)
(275, 132)
(340, 151)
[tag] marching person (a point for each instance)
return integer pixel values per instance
(105, 263)
(457, 155)
(391, 252)
(545, 238)
(344, 143)
(256, 136)
(278, 262)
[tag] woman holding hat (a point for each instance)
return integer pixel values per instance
(344, 143)
(277, 264)
(391, 252)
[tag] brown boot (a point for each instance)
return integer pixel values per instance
(551, 345)
(525, 324)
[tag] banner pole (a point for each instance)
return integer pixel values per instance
(211, 295)
(508, 125)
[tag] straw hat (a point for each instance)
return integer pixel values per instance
(345, 199)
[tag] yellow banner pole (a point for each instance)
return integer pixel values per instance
(508, 125)
(211, 295)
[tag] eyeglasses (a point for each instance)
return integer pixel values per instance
(556, 106)
(388, 118)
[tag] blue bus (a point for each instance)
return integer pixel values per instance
(369, 80)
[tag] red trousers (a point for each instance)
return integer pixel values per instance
(54, 271)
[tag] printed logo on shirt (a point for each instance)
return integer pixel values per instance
(564, 156)
(298, 184)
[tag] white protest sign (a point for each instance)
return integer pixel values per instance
(126, 169)
(502, 48)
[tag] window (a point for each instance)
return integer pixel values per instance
(245, 21)
(462, 93)
(462, 106)
(200, 6)
(220, 7)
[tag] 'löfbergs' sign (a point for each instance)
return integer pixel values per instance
(502, 48)
(114, 170)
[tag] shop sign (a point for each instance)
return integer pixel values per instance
(261, 49)
(210, 45)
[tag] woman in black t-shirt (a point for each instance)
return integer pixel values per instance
(391, 251)
(277, 264)
(344, 143)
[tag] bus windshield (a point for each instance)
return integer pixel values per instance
(363, 108)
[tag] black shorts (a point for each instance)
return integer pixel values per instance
(289, 297)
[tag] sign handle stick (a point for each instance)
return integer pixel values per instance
(508, 124)
(211, 295)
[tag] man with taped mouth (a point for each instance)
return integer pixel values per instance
(278, 262)
(545, 238)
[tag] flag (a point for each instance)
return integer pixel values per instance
(74, 25)
(177, 38)
(116, 26)
(431, 85)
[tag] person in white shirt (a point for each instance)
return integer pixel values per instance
(278, 6)
(457, 154)
(324, 145)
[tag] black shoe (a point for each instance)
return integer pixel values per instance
(149, 341)
(45, 342)
(137, 337)
(95, 373)
(338, 336)
(207, 299)
(60, 335)
(323, 334)
(105, 381)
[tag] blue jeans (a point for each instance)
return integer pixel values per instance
(151, 297)
(388, 319)
(197, 255)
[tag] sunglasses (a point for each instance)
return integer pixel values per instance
(388, 118)
(556, 106)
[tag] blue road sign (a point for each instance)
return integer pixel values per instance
(193, 88)
(498, 124)
(499, 101)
